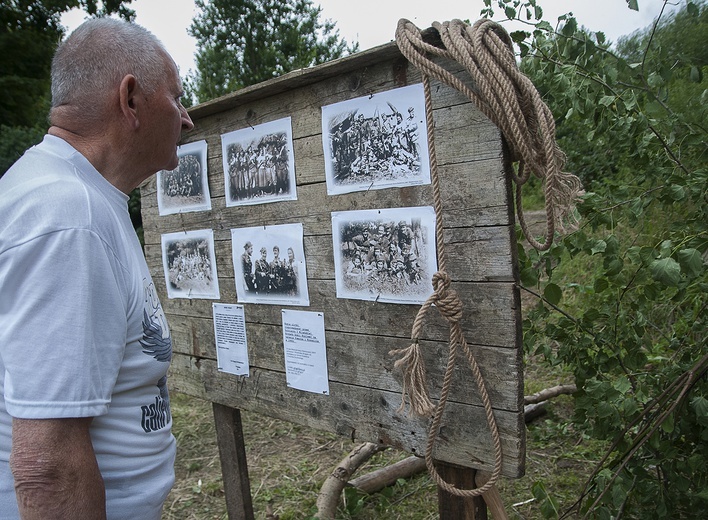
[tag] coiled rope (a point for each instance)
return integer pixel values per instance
(511, 102)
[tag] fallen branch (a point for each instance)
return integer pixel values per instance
(550, 393)
(531, 411)
(386, 476)
(328, 497)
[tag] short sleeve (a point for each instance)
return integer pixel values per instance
(64, 331)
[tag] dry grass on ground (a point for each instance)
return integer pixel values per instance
(288, 464)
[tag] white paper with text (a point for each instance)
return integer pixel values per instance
(230, 335)
(305, 351)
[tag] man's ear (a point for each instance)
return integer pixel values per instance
(128, 100)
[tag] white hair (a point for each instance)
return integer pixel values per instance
(98, 55)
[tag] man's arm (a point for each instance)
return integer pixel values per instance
(55, 470)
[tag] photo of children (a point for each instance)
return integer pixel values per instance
(185, 188)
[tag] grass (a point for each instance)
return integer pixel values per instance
(288, 464)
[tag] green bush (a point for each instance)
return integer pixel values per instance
(622, 300)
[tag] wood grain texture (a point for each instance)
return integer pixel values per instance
(365, 388)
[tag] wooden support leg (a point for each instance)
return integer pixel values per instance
(234, 469)
(452, 507)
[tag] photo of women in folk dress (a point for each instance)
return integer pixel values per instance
(259, 165)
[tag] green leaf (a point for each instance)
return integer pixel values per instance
(696, 74)
(529, 277)
(552, 293)
(668, 424)
(700, 406)
(599, 247)
(600, 285)
(622, 384)
(655, 80)
(633, 5)
(666, 271)
(519, 36)
(606, 101)
(691, 261)
(545, 26)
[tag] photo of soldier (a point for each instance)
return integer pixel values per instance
(247, 265)
(279, 273)
(262, 273)
(376, 147)
(376, 141)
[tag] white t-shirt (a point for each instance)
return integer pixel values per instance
(82, 331)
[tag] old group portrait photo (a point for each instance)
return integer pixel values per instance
(189, 263)
(185, 188)
(376, 141)
(269, 265)
(387, 255)
(259, 165)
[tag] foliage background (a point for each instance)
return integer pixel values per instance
(621, 302)
(619, 305)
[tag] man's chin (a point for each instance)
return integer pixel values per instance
(174, 162)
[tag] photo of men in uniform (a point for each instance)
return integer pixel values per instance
(377, 141)
(185, 188)
(259, 165)
(189, 263)
(276, 272)
(386, 255)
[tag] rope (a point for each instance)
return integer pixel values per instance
(510, 101)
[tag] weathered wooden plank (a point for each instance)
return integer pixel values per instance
(358, 413)
(364, 360)
(487, 316)
(477, 254)
(460, 137)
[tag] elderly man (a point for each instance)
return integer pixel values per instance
(84, 347)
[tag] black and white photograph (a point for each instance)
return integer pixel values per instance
(190, 264)
(376, 141)
(386, 255)
(185, 188)
(259, 165)
(269, 265)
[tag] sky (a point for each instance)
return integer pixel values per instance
(373, 22)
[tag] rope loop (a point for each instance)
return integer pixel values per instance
(510, 100)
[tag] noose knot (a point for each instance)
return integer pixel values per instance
(446, 299)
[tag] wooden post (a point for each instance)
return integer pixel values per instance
(234, 468)
(452, 507)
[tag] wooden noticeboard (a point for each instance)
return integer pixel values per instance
(365, 388)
